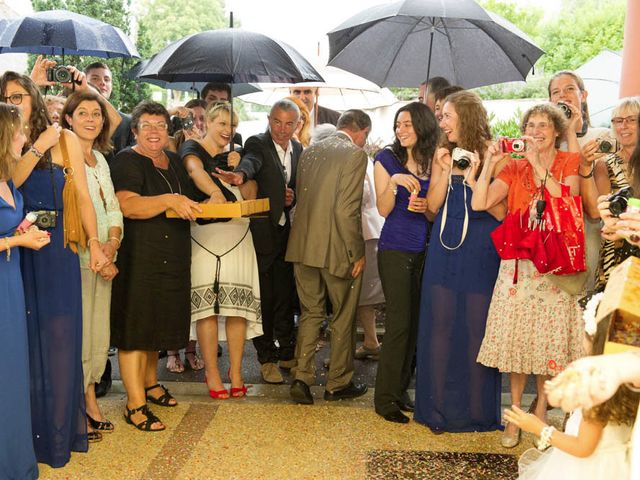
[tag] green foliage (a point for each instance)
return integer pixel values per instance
(126, 93)
(506, 128)
(512, 90)
(405, 94)
(168, 20)
(526, 19)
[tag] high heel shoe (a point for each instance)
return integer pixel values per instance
(237, 392)
(217, 394)
(510, 441)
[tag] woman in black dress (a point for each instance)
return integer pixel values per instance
(150, 305)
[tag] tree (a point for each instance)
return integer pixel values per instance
(126, 93)
(169, 26)
(526, 19)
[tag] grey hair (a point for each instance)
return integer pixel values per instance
(626, 103)
(321, 132)
(286, 105)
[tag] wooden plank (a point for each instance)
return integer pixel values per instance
(244, 208)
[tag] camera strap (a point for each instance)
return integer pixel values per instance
(465, 223)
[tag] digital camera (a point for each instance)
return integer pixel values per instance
(565, 109)
(607, 145)
(513, 145)
(46, 219)
(179, 123)
(60, 74)
(461, 158)
(618, 201)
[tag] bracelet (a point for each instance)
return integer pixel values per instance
(117, 240)
(588, 175)
(92, 239)
(8, 250)
(394, 189)
(36, 152)
(545, 437)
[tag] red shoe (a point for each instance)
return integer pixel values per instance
(237, 392)
(217, 394)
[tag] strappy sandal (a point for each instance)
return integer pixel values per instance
(144, 425)
(193, 361)
(104, 427)
(175, 365)
(94, 437)
(163, 400)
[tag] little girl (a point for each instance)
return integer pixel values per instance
(595, 444)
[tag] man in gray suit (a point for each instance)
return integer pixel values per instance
(327, 250)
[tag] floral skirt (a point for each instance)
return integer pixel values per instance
(533, 326)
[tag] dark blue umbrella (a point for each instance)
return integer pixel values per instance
(232, 56)
(403, 43)
(60, 32)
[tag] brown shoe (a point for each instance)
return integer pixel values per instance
(287, 364)
(363, 353)
(271, 373)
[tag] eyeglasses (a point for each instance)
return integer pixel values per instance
(148, 126)
(533, 126)
(16, 98)
(630, 120)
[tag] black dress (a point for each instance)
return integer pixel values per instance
(150, 302)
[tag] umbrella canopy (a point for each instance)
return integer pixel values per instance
(341, 90)
(236, 88)
(229, 55)
(60, 32)
(403, 43)
(601, 77)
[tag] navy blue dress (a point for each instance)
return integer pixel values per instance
(53, 300)
(454, 393)
(17, 459)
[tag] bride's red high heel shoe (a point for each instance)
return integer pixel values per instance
(217, 394)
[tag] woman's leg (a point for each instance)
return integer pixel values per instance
(518, 382)
(207, 331)
(366, 315)
(190, 356)
(174, 363)
(133, 366)
(236, 328)
(541, 407)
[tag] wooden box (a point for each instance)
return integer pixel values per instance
(244, 208)
(618, 314)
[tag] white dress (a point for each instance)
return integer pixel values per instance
(239, 291)
(609, 461)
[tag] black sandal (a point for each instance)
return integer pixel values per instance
(164, 399)
(144, 425)
(105, 427)
(94, 437)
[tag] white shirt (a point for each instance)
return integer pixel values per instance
(285, 160)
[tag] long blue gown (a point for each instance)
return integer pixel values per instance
(17, 459)
(454, 393)
(53, 300)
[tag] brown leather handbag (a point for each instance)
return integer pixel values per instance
(74, 234)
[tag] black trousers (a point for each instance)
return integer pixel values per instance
(277, 294)
(400, 274)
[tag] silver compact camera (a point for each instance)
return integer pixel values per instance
(47, 219)
(461, 158)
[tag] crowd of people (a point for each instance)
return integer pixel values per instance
(100, 265)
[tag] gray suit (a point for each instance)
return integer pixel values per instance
(325, 241)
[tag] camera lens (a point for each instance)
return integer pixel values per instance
(618, 205)
(565, 108)
(463, 163)
(62, 75)
(605, 146)
(518, 146)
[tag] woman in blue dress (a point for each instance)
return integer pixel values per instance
(17, 458)
(454, 393)
(51, 277)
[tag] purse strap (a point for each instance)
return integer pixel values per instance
(68, 169)
(465, 223)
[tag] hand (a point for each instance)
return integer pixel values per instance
(232, 178)
(472, 172)
(193, 133)
(443, 159)
(182, 112)
(494, 153)
(629, 227)
(358, 267)
(217, 197)
(418, 204)
(39, 71)
(589, 153)
(289, 196)
(79, 80)
(109, 250)
(526, 421)
(576, 117)
(586, 382)
(34, 239)
(407, 181)
(97, 259)
(48, 138)
(109, 272)
(603, 207)
(184, 207)
(233, 159)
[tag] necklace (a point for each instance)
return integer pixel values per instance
(167, 181)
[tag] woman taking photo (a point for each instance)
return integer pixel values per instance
(401, 174)
(150, 297)
(454, 393)
(86, 114)
(51, 277)
(533, 327)
(222, 259)
(17, 458)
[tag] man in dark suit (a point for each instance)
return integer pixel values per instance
(319, 115)
(326, 247)
(271, 159)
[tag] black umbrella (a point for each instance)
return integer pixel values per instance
(403, 43)
(60, 32)
(229, 56)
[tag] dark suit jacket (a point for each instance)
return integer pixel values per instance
(327, 231)
(122, 137)
(326, 115)
(261, 163)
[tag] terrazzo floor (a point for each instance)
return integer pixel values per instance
(266, 436)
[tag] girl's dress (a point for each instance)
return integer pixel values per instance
(610, 460)
(17, 459)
